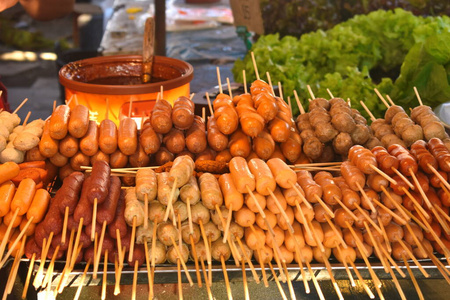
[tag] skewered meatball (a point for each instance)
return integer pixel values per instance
(360, 135)
(319, 102)
(392, 111)
(342, 143)
(343, 122)
(325, 132)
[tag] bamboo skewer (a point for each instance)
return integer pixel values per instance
(194, 253)
(382, 98)
(302, 271)
(248, 260)
(105, 274)
(347, 269)
(83, 277)
(208, 289)
(411, 255)
(20, 106)
(244, 280)
(361, 280)
(413, 279)
(263, 268)
(255, 66)
(275, 277)
(174, 244)
(149, 271)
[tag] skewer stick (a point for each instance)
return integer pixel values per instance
(197, 269)
(372, 117)
(411, 255)
(8, 232)
(390, 100)
(392, 261)
(336, 232)
(403, 177)
(219, 81)
(27, 280)
(446, 191)
(83, 277)
(105, 275)
(329, 93)
(381, 98)
(248, 260)
(225, 275)
(443, 213)
(280, 208)
(204, 114)
(244, 280)
(146, 211)
(169, 205)
(397, 284)
(263, 268)
(333, 280)
(349, 102)
(310, 92)
(316, 239)
(45, 249)
(270, 83)
(229, 88)
(416, 204)
(325, 207)
(99, 250)
(211, 111)
(209, 266)
(385, 176)
(385, 237)
(444, 271)
(132, 241)
(304, 201)
(180, 285)
(161, 90)
(208, 289)
(244, 78)
(361, 280)
(413, 279)
(227, 228)
(280, 90)
(133, 291)
(258, 206)
(304, 222)
(66, 270)
(131, 106)
(361, 190)
(20, 106)
(397, 205)
(275, 277)
(26, 119)
(155, 225)
(390, 212)
(368, 218)
(291, 288)
(235, 253)
(149, 272)
(416, 240)
(347, 210)
(64, 230)
(315, 282)
(174, 244)
(18, 239)
(347, 269)
(418, 96)
(377, 249)
(255, 66)
(299, 104)
(119, 245)
(207, 250)
(94, 219)
(15, 270)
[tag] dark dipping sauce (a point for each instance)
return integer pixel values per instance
(123, 80)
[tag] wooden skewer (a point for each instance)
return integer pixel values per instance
(26, 119)
(211, 111)
(368, 218)
(325, 207)
(416, 204)
(8, 232)
(385, 176)
(372, 117)
(132, 241)
(263, 268)
(377, 249)
(99, 250)
(416, 240)
(162, 91)
(390, 212)
(244, 78)
(20, 106)
(381, 98)
(131, 107)
(15, 269)
(83, 277)
(207, 250)
(208, 289)
(255, 66)
(316, 239)
(361, 190)
(169, 205)
(155, 225)
(18, 239)
(119, 245)
(291, 288)
(27, 280)
(180, 284)
(304, 222)
(443, 213)
(275, 277)
(444, 271)
(219, 81)
(145, 211)
(174, 244)
(349, 102)
(403, 177)
(105, 274)
(299, 193)
(315, 282)
(66, 269)
(227, 228)
(229, 88)
(347, 210)
(411, 255)
(133, 291)
(280, 208)
(413, 279)
(244, 280)
(248, 260)
(40, 270)
(397, 284)
(225, 275)
(386, 239)
(347, 269)
(333, 280)
(270, 83)
(418, 96)
(299, 104)
(329, 93)
(336, 232)
(194, 253)
(310, 92)
(280, 90)
(94, 219)
(149, 272)
(390, 100)
(64, 230)
(397, 206)
(361, 280)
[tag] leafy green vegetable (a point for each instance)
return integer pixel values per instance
(342, 58)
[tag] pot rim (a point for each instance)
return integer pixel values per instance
(185, 68)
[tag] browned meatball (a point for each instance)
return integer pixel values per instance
(327, 154)
(392, 111)
(391, 139)
(411, 134)
(401, 125)
(312, 147)
(376, 124)
(318, 118)
(325, 132)
(340, 109)
(307, 134)
(383, 130)
(399, 116)
(372, 143)
(343, 122)
(420, 111)
(434, 129)
(319, 102)
(337, 101)
(360, 135)
(342, 143)
(303, 122)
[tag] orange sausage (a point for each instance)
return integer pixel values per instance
(47, 145)
(79, 160)
(7, 190)
(59, 122)
(32, 164)
(224, 156)
(284, 176)
(263, 145)
(33, 173)
(8, 218)
(99, 156)
(230, 193)
(38, 206)
(239, 144)
(8, 171)
(118, 159)
(89, 143)
(78, 121)
(30, 229)
(265, 181)
(107, 139)
(34, 155)
(59, 160)
(68, 146)
(23, 196)
(127, 138)
(242, 177)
